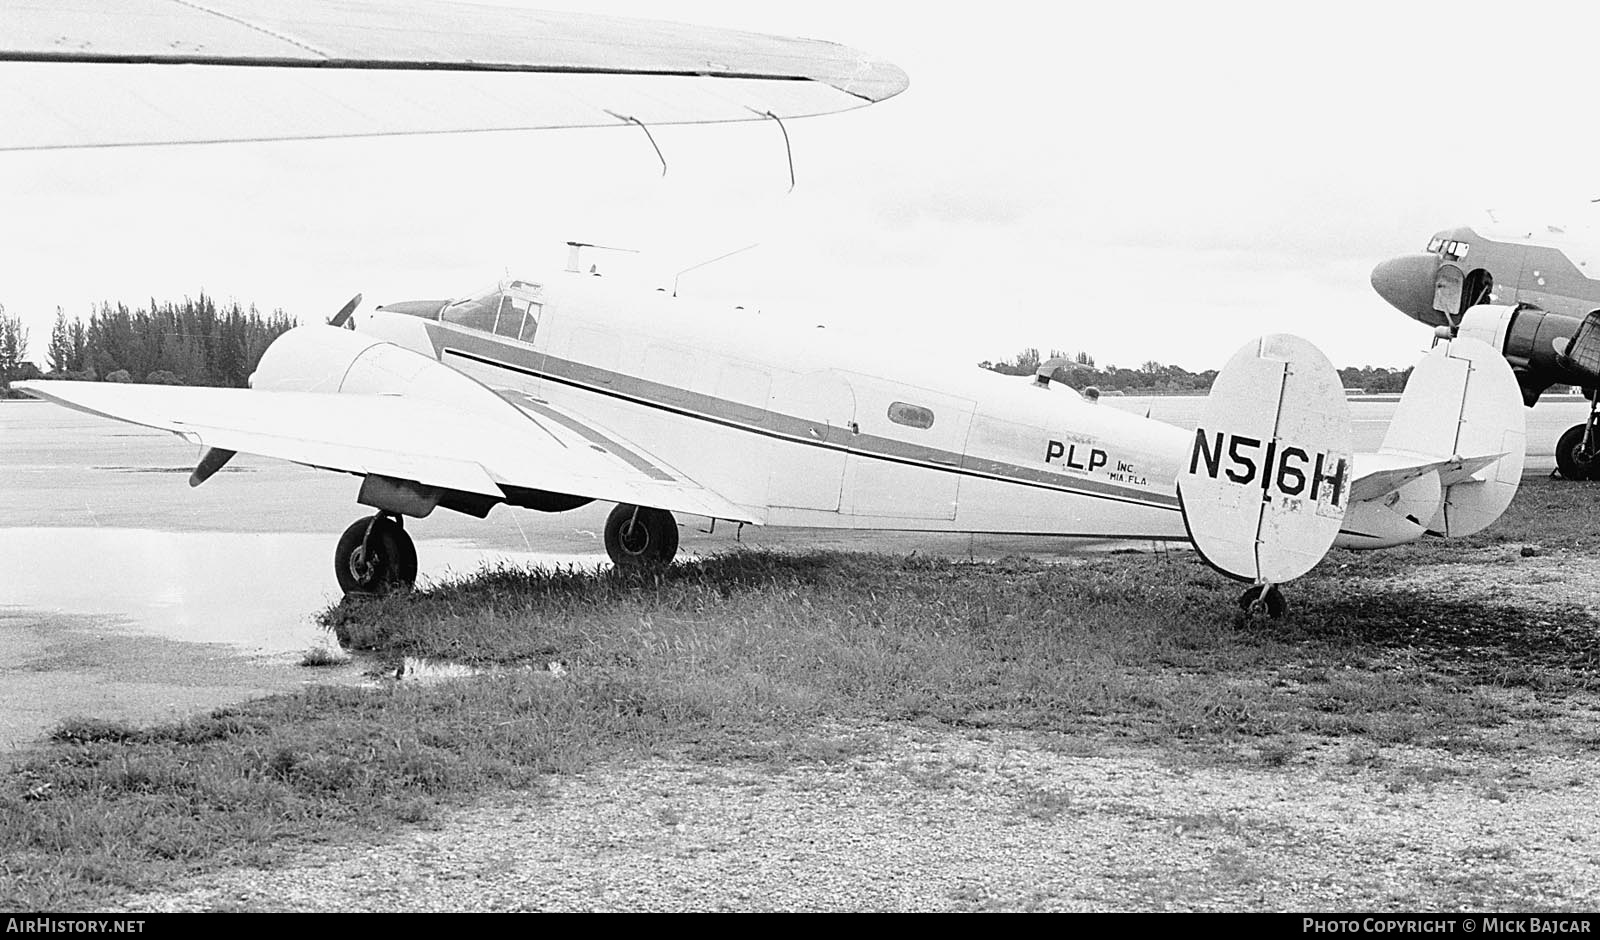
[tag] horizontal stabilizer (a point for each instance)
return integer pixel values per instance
(1378, 475)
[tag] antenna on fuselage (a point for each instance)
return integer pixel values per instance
(574, 248)
(695, 267)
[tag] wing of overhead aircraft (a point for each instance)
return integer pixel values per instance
(343, 68)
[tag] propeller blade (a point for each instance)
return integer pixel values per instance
(342, 318)
(210, 462)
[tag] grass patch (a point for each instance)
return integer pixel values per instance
(773, 659)
(320, 656)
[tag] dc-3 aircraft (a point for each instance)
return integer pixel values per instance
(548, 393)
(1533, 294)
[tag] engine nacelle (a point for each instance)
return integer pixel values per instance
(1543, 348)
(319, 358)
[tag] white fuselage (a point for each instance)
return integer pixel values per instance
(814, 428)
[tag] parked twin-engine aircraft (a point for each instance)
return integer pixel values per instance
(1532, 295)
(548, 394)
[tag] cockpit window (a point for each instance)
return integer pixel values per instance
(530, 323)
(510, 310)
(476, 312)
(1448, 248)
(511, 314)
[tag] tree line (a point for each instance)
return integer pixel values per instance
(1155, 378)
(190, 342)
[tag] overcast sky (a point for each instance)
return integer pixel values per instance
(1157, 181)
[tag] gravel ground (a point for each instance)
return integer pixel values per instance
(908, 818)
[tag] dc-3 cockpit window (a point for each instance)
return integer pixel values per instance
(1451, 249)
(509, 309)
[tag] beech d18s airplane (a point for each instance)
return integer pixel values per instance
(1532, 295)
(550, 393)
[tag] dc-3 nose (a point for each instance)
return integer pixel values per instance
(1407, 283)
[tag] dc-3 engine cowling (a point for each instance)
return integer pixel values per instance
(320, 358)
(1543, 348)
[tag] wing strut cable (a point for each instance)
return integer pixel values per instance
(629, 119)
(787, 148)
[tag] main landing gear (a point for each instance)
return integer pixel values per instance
(375, 556)
(1264, 597)
(1578, 451)
(638, 537)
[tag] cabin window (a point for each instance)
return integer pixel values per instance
(1435, 243)
(1455, 251)
(912, 416)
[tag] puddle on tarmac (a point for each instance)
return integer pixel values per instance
(248, 589)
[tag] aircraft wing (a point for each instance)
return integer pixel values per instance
(480, 450)
(91, 73)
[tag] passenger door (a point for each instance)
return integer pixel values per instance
(904, 461)
(814, 417)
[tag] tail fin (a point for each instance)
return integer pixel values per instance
(1462, 405)
(1267, 482)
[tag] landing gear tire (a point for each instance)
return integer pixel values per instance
(1573, 461)
(1264, 597)
(639, 538)
(375, 556)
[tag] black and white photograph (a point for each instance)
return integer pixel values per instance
(522, 456)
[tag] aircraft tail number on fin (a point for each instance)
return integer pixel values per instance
(1266, 482)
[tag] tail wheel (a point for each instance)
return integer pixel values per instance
(1264, 597)
(375, 556)
(640, 537)
(1575, 462)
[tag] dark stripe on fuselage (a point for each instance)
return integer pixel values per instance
(783, 427)
(632, 458)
